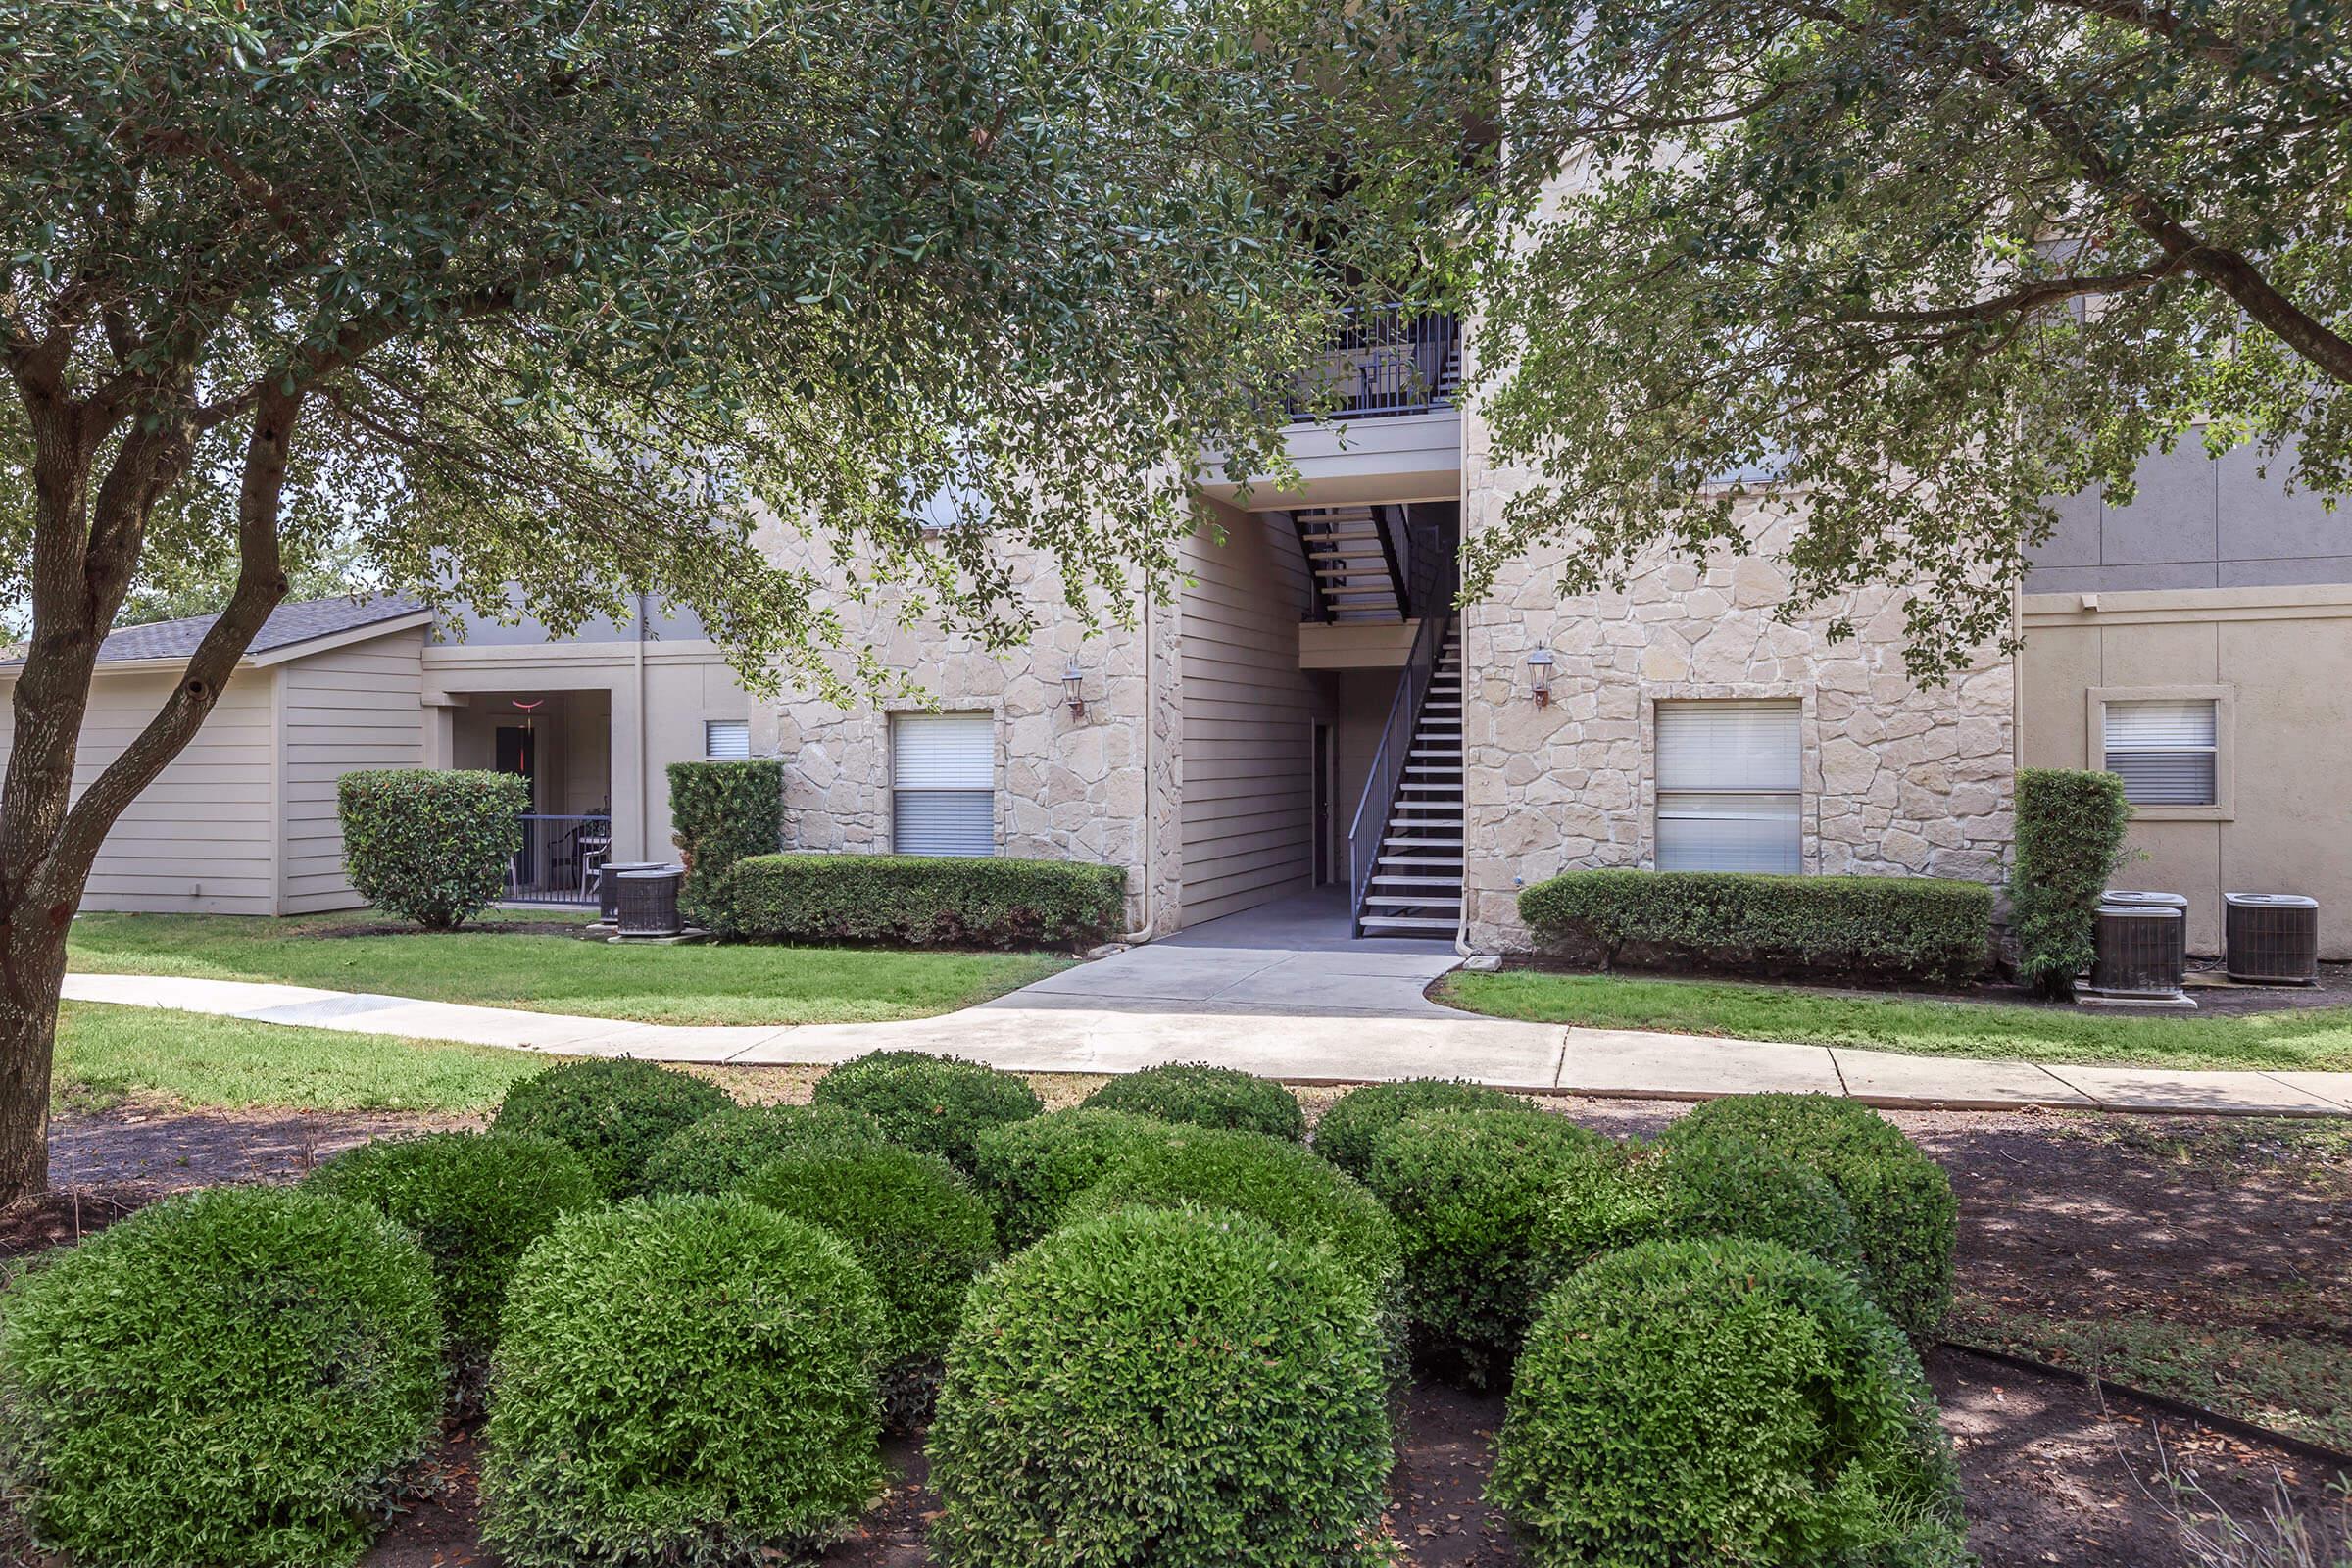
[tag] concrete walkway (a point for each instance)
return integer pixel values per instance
(1285, 993)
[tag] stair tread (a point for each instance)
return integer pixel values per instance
(1405, 922)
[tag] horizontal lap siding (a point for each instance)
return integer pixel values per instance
(1248, 712)
(201, 838)
(345, 708)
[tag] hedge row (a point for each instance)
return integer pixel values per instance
(926, 902)
(1896, 927)
(1186, 1359)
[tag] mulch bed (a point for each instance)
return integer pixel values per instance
(2198, 1220)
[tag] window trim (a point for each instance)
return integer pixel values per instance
(994, 718)
(1658, 791)
(709, 756)
(2224, 745)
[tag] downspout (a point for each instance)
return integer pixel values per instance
(645, 758)
(1143, 933)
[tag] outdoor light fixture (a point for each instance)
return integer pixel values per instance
(1073, 681)
(1538, 675)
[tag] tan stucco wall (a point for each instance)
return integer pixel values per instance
(2284, 654)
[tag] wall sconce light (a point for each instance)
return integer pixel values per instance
(1538, 675)
(1073, 681)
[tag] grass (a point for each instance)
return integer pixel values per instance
(108, 1054)
(2301, 1387)
(501, 966)
(2304, 1039)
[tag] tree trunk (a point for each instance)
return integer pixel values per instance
(31, 970)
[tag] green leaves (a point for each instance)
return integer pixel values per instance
(580, 296)
(2069, 840)
(430, 846)
(1863, 288)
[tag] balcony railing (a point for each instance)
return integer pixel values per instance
(560, 859)
(1384, 363)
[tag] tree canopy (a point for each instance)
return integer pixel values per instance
(566, 295)
(1918, 266)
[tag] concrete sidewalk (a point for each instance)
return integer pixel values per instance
(1044, 1029)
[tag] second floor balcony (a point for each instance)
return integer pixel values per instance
(1382, 365)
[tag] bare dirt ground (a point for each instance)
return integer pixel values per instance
(2199, 1221)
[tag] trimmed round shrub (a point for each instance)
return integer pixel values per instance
(919, 1230)
(719, 1152)
(1158, 1386)
(1267, 1179)
(682, 1379)
(1722, 1401)
(238, 1376)
(1696, 1188)
(1202, 1096)
(430, 845)
(1352, 1127)
(1471, 1191)
(936, 1105)
(614, 1112)
(1905, 1218)
(1030, 1171)
(475, 1200)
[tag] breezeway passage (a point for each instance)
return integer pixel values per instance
(1276, 992)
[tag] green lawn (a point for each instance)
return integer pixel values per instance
(2310, 1040)
(106, 1055)
(501, 966)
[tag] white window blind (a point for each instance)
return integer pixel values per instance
(727, 740)
(1731, 786)
(2163, 749)
(943, 775)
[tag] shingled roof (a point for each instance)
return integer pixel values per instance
(292, 624)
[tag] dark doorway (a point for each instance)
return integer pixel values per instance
(1323, 805)
(517, 752)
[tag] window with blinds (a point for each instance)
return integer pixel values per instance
(1730, 787)
(943, 783)
(727, 740)
(2165, 750)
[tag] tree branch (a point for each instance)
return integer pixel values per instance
(2024, 298)
(261, 584)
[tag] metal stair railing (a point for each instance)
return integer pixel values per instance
(1386, 775)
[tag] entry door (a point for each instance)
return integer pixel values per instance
(1324, 827)
(518, 753)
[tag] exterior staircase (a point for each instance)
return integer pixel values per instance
(1416, 885)
(1352, 555)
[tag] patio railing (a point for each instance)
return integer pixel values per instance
(1384, 363)
(560, 858)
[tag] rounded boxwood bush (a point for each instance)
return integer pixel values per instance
(920, 1231)
(1695, 1188)
(719, 1152)
(935, 1105)
(430, 845)
(1267, 1179)
(1470, 1192)
(1904, 1216)
(1030, 1171)
(475, 1200)
(1158, 1386)
(1202, 1096)
(614, 1112)
(682, 1379)
(1352, 1128)
(1721, 1400)
(238, 1376)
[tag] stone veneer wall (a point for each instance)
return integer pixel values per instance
(1897, 779)
(1101, 789)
